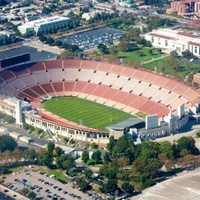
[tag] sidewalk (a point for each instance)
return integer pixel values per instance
(164, 56)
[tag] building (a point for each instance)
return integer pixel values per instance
(6, 34)
(174, 40)
(92, 14)
(196, 78)
(185, 7)
(43, 24)
(131, 90)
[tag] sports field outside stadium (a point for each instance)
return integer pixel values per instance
(85, 112)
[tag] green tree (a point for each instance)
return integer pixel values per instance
(94, 145)
(7, 143)
(127, 187)
(173, 62)
(45, 10)
(30, 154)
(159, 51)
(69, 163)
(111, 144)
(83, 184)
(167, 150)
(103, 48)
(59, 162)
(45, 158)
(58, 151)
(124, 147)
(31, 195)
(113, 50)
(124, 45)
(85, 156)
(106, 158)
(25, 191)
(147, 167)
(58, 43)
(17, 154)
(67, 55)
(42, 38)
(149, 149)
(97, 157)
(110, 186)
(50, 147)
(187, 143)
(109, 170)
(187, 54)
(88, 173)
(49, 41)
(174, 54)
(150, 51)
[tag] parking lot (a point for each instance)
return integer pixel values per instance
(91, 39)
(45, 186)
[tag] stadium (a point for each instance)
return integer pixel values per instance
(167, 103)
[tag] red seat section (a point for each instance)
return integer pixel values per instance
(48, 89)
(89, 65)
(53, 64)
(98, 91)
(21, 73)
(72, 64)
(114, 85)
(58, 87)
(37, 67)
(7, 75)
(139, 74)
(150, 78)
(38, 90)
(30, 93)
(90, 87)
(117, 69)
(69, 86)
(80, 86)
(106, 67)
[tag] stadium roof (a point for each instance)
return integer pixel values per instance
(35, 55)
(126, 123)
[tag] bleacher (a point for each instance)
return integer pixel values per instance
(124, 88)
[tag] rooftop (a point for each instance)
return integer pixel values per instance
(126, 123)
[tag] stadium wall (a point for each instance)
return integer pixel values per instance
(75, 133)
(77, 72)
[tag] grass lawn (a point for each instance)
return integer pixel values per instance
(133, 55)
(182, 70)
(57, 173)
(88, 113)
(15, 169)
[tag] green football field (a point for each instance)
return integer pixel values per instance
(85, 112)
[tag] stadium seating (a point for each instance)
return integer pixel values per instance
(124, 88)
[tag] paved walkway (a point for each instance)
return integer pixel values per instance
(164, 56)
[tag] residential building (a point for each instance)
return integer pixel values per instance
(43, 24)
(174, 40)
(185, 7)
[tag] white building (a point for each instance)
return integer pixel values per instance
(174, 40)
(5, 34)
(92, 14)
(43, 24)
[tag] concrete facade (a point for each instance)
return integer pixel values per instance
(43, 24)
(174, 40)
